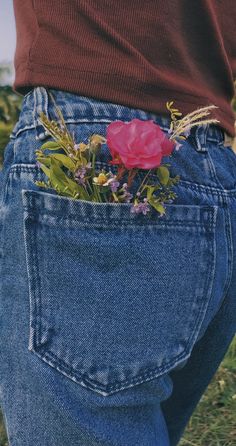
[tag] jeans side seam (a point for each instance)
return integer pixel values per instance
(213, 171)
(228, 232)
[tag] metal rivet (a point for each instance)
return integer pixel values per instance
(42, 135)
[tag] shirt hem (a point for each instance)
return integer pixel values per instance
(126, 91)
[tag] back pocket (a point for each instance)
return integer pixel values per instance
(116, 299)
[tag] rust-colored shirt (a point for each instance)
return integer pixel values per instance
(139, 53)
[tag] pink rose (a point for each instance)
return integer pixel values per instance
(137, 144)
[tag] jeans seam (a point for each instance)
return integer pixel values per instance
(31, 168)
(213, 171)
(228, 232)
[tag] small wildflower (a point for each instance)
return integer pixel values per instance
(80, 180)
(113, 184)
(81, 171)
(81, 146)
(101, 179)
(135, 209)
(128, 197)
(142, 207)
(79, 175)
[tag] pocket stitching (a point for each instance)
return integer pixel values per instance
(62, 366)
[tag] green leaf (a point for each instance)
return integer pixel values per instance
(52, 145)
(74, 187)
(59, 178)
(44, 160)
(60, 182)
(158, 206)
(150, 189)
(163, 175)
(41, 184)
(84, 160)
(46, 170)
(65, 160)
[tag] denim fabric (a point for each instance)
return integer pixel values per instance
(112, 324)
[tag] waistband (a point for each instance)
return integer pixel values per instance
(76, 108)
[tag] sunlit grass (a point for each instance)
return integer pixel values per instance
(214, 421)
(3, 435)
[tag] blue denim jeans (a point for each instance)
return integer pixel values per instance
(112, 324)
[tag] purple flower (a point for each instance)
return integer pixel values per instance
(114, 185)
(79, 175)
(80, 172)
(142, 207)
(80, 181)
(128, 197)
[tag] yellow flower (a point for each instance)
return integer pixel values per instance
(82, 147)
(101, 179)
(95, 142)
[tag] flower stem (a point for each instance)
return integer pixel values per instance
(121, 171)
(88, 184)
(181, 128)
(115, 197)
(131, 176)
(143, 180)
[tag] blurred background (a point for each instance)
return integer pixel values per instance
(10, 102)
(214, 420)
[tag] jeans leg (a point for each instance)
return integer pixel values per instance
(191, 381)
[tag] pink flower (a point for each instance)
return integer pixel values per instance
(137, 144)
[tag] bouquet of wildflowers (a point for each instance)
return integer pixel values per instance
(134, 146)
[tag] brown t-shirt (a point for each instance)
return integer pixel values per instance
(138, 53)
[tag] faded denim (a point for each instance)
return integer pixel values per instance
(112, 324)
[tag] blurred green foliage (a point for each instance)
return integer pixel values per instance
(10, 106)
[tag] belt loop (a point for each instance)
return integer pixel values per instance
(40, 105)
(201, 138)
(228, 140)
